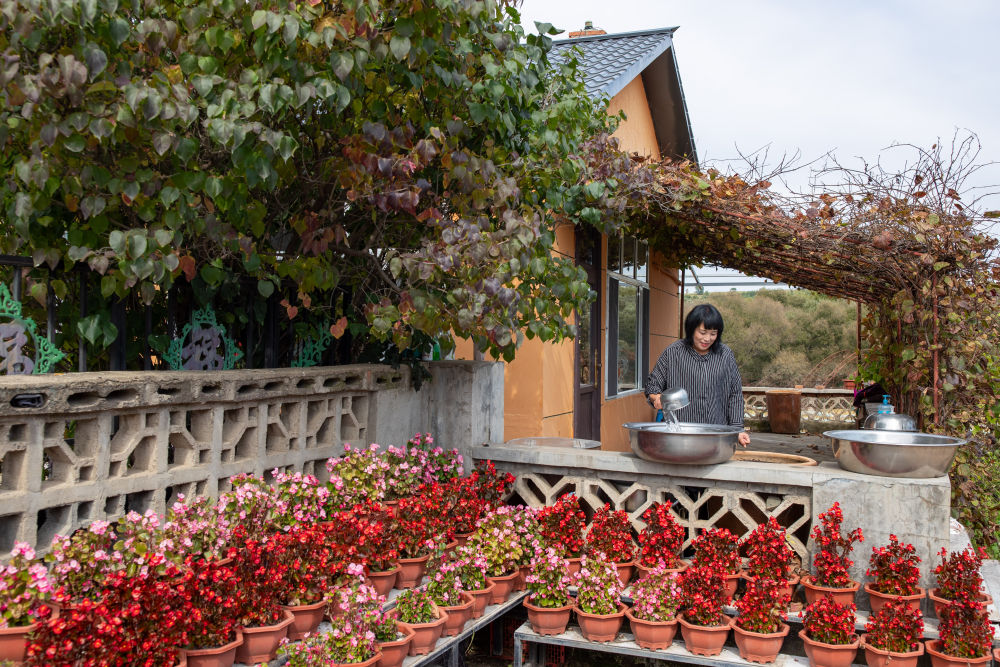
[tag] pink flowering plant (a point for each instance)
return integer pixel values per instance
(657, 596)
(405, 471)
(499, 541)
(251, 505)
(471, 568)
(415, 605)
(25, 588)
(529, 532)
(352, 634)
(548, 582)
(438, 465)
(299, 498)
(445, 586)
(598, 587)
(196, 527)
(357, 476)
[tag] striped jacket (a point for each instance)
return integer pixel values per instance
(712, 382)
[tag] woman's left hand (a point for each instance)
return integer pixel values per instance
(743, 438)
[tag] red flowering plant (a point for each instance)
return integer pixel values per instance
(368, 527)
(462, 503)
(420, 523)
(491, 485)
(832, 562)
(138, 620)
(896, 627)
(611, 535)
(562, 525)
(657, 596)
(718, 547)
(763, 606)
(598, 588)
(215, 598)
(768, 553)
(25, 588)
(262, 566)
(896, 568)
(703, 591)
(309, 563)
(548, 581)
(661, 540)
(958, 577)
(828, 622)
(965, 630)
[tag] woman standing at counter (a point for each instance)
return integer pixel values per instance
(706, 368)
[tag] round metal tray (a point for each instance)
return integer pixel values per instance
(894, 453)
(689, 444)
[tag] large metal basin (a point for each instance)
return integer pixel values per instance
(687, 443)
(894, 453)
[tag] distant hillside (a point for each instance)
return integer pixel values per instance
(786, 337)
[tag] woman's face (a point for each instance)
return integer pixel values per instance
(704, 338)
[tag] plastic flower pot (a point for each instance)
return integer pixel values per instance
(548, 620)
(458, 615)
(384, 582)
(425, 635)
(14, 642)
(940, 602)
(842, 596)
(411, 571)
(481, 598)
(829, 655)
(306, 617)
(652, 634)
(642, 570)
(574, 565)
(876, 657)
(761, 647)
(878, 600)
(261, 644)
(939, 659)
(504, 585)
(625, 571)
(214, 656)
(787, 589)
(600, 627)
(704, 639)
(520, 582)
(393, 653)
(370, 662)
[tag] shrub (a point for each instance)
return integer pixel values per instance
(832, 563)
(562, 526)
(611, 535)
(768, 553)
(661, 540)
(703, 593)
(599, 589)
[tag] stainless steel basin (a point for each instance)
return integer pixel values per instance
(687, 443)
(548, 441)
(894, 453)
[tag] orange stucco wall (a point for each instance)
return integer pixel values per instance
(538, 384)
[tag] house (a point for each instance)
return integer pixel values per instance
(588, 387)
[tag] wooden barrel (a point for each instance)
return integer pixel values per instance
(784, 410)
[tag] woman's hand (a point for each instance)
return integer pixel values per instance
(655, 400)
(743, 438)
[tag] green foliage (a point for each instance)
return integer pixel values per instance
(418, 155)
(782, 338)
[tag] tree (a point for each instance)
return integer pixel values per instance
(415, 155)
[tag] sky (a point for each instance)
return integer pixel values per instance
(798, 77)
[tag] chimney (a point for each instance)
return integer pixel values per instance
(588, 31)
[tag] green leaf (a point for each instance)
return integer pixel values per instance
(908, 354)
(342, 63)
(163, 236)
(116, 239)
(97, 329)
(162, 142)
(400, 46)
(136, 243)
(265, 288)
(96, 60)
(479, 112)
(168, 196)
(75, 143)
(120, 30)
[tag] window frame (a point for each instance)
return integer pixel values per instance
(612, 281)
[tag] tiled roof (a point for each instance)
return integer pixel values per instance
(610, 62)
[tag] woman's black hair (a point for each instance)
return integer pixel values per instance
(708, 315)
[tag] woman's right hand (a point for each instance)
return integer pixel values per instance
(655, 399)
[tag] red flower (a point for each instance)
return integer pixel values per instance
(965, 630)
(768, 553)
(958, 575)
(719, 547)
(611, 534)
(897, 627)
(896, 568)
(828, 622)
(763, 606)
(562, 526)
(832, 563)
(662, 538)
(703, 592)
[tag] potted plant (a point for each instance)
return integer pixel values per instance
(548, 601)
(217, 599)
(491, 485)
(26, 591)
(562, 526)
(721, 548)
(828, 633)
(958, 579)
(832, 562)
(336, 648)
(703, 625)
(393, 637)
(416, 527)
(446, 590)
(525, 522)
(598, 598)
(892, 635)
(498, 542)
(309, 568)
(769, 556)
(760, 627)
(262, 572)
(611, 536)
(656, 598)
(359, 475)
(379, 547)
(465, 506)
(197, 527)
(660, 541)
(896, 569)
(472, 571)
(416, 610)
(966, 635)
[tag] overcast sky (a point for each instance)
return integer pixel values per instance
(851, 77)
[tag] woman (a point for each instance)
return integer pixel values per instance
(706, 368)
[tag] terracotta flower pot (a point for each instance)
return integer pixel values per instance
(940, 602)
(878, 600)
(462, 538)
(788, 589)
(625, 571)
(652, 634)
(216, 656)
(411, 571)
(504, 586)
(14, 642)
(481, 598)
(548, 620)
(182, 660)
(939, 659)
(393, 653)
(642, 570)
(842, 596)
(704, 639)
(574, 565)
(759, 646)
(425, 635)
(876, 657)
(996, 655)
(306, 617)
(449, 550)
(261, 644)
(383, 582)
(600, 627)
(520, 582)
(829, 655)
(458, 615)
(370, 662)
(732, 583)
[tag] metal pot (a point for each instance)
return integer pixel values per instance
(892, 421)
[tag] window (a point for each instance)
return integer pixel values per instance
(628, 315)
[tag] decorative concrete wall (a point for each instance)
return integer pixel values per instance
(822, 409)
(738, 495)
(95, 445)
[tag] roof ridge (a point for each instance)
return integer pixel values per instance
(617, 35)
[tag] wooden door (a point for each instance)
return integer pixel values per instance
(587, 373)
